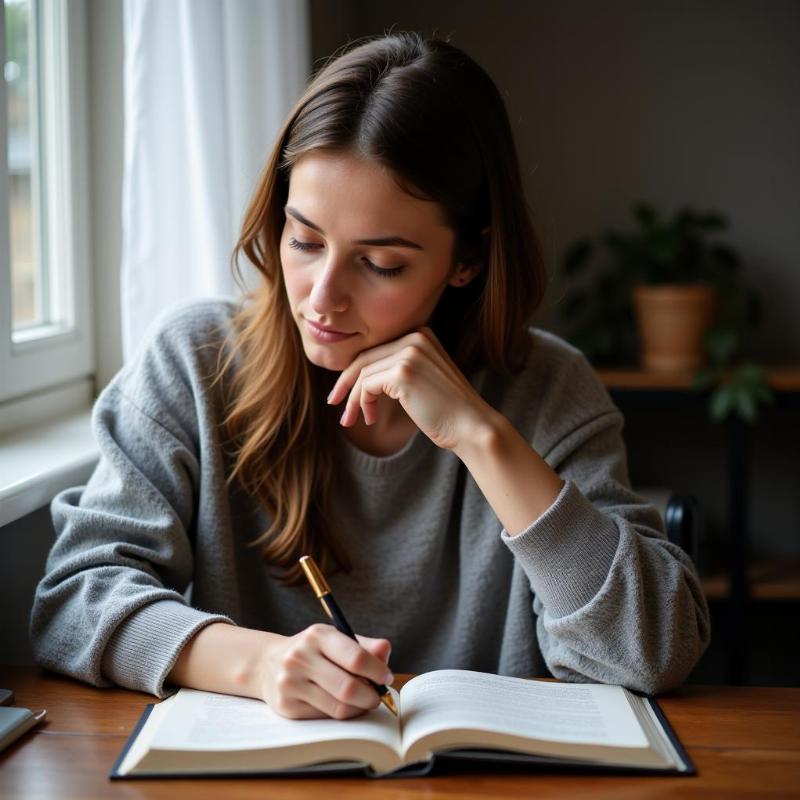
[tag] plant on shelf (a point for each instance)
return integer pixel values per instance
(737, 387)
(674, 288)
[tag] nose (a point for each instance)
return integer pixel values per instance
(329, 292)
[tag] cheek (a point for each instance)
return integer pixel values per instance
(402, 308)
(295, 279)
(385, 305)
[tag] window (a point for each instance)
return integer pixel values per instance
(45, 319)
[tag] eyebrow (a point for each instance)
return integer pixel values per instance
(383, 241)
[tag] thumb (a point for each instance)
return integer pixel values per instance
(381, 648)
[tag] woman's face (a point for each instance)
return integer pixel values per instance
(360, 257)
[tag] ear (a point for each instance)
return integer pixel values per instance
(466, 273)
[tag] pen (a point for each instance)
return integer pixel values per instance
(323, 593)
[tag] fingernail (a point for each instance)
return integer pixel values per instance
(388, 679)
(341, 419)
(330, 395)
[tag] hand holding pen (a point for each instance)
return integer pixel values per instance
(320, 672)
(331, 608)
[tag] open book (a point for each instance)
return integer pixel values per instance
(447, 713)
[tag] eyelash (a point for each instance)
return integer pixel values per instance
(384, 273)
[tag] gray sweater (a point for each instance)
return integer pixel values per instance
(590, 591)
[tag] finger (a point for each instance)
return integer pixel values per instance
(358, 400)
(373, 386)
(381, 648)
(368, 401)
(350, 414)
(351, 409)
(323, 702)
(348, 655)
(390, 376)
(295, 708)
(350, 374)
(342, 687)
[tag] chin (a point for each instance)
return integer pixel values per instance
(320, 356)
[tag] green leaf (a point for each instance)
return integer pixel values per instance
(721, 402)
(746, 404)
(665, 247)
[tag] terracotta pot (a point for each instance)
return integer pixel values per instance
(672, 320)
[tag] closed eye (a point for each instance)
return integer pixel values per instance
(384, 273)
(302, 245)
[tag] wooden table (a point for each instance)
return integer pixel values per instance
(745, 742)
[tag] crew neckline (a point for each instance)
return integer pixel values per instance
(408, 455)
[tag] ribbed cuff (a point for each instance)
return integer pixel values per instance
(567, 552)
(145, 646)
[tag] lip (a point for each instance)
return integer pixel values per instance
(325, 335)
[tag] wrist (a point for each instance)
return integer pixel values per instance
(250, 661)
(482, 435)
(224, 658)
(516, 481)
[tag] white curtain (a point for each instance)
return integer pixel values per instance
(207, 85)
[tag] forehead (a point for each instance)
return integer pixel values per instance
(353, 193)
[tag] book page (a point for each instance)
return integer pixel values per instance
(205, 721)
(461, 699)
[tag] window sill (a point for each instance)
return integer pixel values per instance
(37, 463)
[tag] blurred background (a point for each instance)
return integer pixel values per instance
(659, 143)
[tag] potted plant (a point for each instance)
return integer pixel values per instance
(670, 296)
(666, 273)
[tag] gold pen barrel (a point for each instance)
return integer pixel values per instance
(325, 597)
(315, 577)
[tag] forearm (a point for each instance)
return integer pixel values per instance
(516, 481)
(223, 658)
(318, 672)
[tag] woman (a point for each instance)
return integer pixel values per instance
(381, 403)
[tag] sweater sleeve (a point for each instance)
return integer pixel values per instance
(615, 601)
(111, 607)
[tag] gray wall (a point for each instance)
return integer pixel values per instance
(675, 102)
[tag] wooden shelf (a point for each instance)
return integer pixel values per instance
(770, 579)
(782, 378)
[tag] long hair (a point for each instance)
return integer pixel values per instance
(428, 112)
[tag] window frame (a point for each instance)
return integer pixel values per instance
(50, 359)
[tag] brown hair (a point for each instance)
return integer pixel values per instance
(429, 113)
